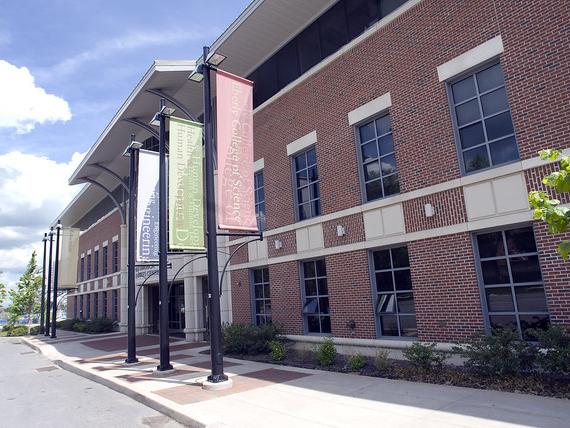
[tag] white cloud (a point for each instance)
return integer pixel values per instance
(33, 191)
(23, 104)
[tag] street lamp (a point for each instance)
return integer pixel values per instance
(42, 304)
(163, 302)
(133, 153)
(55, 279)
(48, 294)
(202, 73)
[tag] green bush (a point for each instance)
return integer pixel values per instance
(326, 352)
(100, 325)
(80, 327)
(35, 330)
(381, 361)
(424, 356)
(356, 362)
(244, 339)
(18, 330)
(554, 349)
(67, 324)
(277, 350)
(7, 328)
(501, 354)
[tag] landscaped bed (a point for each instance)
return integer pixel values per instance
(500, 362)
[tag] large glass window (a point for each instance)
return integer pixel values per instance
(75, 307)
(378, 164)
(482, 117)
(105, 304)
(316, 294)
(259, 190)
(88, 306)
(82, 270)
(394, 294)
(115, 305)
(307, 191)
(261, 296)
(96, 264)
(511, 280)
(105, 260)
(81, 307)
(115, 256)
(96, 305)
(89, 266)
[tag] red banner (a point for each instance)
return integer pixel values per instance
(236, 201)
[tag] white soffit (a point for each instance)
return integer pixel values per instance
(472, 58)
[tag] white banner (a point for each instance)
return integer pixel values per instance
(68, 255)
(147, 235)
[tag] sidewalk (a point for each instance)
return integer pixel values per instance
(263, 394)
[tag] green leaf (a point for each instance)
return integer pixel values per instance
(564, 249)
(549, 154)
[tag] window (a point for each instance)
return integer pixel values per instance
(96, 305)
(511, 280)
(105, 260)
(96, 264)
(316, 297)
(82, 270)
(88, 266)
(333, 29)
(81, 307)
(75, 307)
(115, 305)
(259, 200)
(361, 14)
(482, 119)
(378, 159)
(307, 192)
(88, 307)
(105, 304)
(115, 256)
(395, 309)
(261, 296)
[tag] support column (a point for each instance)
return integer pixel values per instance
(123, 295)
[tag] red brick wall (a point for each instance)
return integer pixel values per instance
(241, 296)
(350, 295)
(286, 297)
(449, 210)
(534, 181)
(353, 226)
(446, 294)
(241, 255)
(555, 273)
(289, 241)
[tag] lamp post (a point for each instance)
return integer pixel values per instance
(55, 279)
(133, 152)
(216, 349)
(48, 294)
(42, 304)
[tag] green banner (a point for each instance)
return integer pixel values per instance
(185, 186)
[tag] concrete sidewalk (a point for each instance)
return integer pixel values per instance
(264, 394)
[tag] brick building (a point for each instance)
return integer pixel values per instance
(395, 144)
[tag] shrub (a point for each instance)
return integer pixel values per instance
(326, 352)
(501, 354)
(424, 356)
(99, 325)
(35, 330)
(356, 362)
(554, 349)
(80, 327)
(278, 350)
(67, 324)
(18, 330)
(244, 339)
(381, 361)
(7, 328)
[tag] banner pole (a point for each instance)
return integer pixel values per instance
(43, 304)
(133, 150)
(55, 279)
(48, 294)
(216, 349)
(163, 248)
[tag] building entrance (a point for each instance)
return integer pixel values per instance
(176, 319)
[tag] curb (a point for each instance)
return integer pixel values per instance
(137, 396)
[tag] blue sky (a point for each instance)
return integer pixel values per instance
(85, 57)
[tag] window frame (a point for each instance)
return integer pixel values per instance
(96, 264)
(115, 262)
(481, 285)
(360, 159)
(374, 290)
(453, 114)
(304, 297)
(115, 304)
(253, 298)
(293, 157)
(89, 266)
(261, 226)
(82, 269)
(105, 260)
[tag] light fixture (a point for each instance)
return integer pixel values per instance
(429, 210)
(216, 59)
(155, 120)
(278, 244)
(166, 111)
(197, 75)
(340, 230)
(135, 145)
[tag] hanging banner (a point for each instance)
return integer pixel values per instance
(236, 202)
(68, 255)
(185, 192)
(147, 207)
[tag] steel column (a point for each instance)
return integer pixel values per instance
(48, 294)
(55, 279)
(42, 304)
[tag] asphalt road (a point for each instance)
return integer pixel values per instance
(36, 393)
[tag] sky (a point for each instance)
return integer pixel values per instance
(66, 66)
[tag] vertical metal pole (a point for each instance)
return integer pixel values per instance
(162, 249)
(43, 304)
(131, 327)
(55, 279)
(216, 350)
(48, 294)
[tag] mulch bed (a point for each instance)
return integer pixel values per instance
(531, 383)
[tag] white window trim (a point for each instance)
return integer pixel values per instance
(115, 238)
(370, 109)
(302, 143)
(470, 59)
(258, 165)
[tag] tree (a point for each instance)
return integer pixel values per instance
(26, 296)
(2, 292)
(548, 209)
